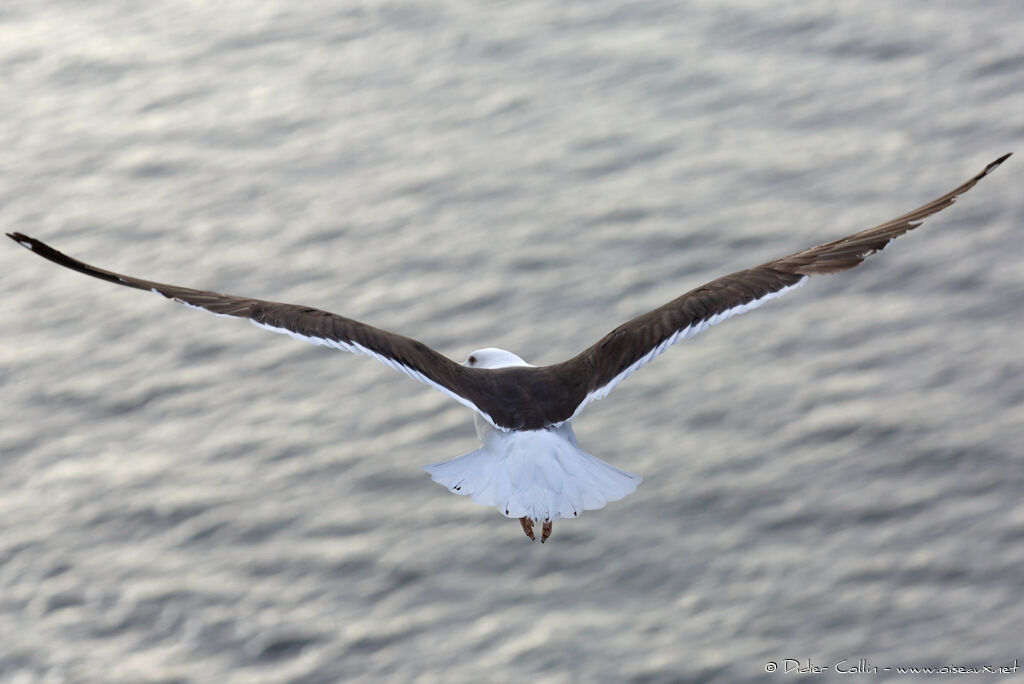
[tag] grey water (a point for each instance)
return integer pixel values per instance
(836, 476)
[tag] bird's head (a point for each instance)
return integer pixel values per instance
(493, 358)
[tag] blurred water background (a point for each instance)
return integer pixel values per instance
(837, 475)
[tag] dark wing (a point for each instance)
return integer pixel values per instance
(468, 386)
(594, 372)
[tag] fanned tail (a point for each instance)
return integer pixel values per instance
(536, 474)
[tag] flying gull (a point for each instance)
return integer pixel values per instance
(530, 466)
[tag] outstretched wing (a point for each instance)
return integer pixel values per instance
(407, 355)
(639, 341)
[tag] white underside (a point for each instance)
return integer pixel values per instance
(537, 474)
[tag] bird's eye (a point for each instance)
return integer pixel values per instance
(472, 360)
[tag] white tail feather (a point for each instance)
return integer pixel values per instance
(538, 474)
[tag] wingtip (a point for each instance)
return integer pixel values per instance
(22, 239)
(994, 165)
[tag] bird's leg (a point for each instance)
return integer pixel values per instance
(527, 524)
(545, 530)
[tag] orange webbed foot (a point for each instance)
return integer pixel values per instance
(527, 524)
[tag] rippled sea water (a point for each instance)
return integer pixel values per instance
(837, 475)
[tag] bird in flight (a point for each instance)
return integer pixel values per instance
(530, 466)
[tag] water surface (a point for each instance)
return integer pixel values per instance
(836, 475)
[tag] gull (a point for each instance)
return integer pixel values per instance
(529, 465)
